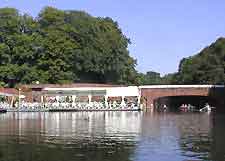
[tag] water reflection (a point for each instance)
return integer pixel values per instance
(189, 136)
(71, 124)
(112, 136)
(68, 136)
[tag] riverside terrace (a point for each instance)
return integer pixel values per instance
(77, 97)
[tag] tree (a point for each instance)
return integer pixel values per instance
(63, 47)
(207, 67)
(150, 78)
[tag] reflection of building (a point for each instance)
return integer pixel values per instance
(68, 136)
(78, 125)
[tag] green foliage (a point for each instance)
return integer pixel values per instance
(154, 78)
(207, 67)
(150, 78)
(63, 47)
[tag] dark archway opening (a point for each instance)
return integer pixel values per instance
(173, 103)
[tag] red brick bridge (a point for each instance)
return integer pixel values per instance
(153, 92)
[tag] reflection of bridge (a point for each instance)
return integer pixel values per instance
(152, 93)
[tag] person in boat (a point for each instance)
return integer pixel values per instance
(188, 107)
(206, 108)
(164, 108)
(191, 107)
(182, 107)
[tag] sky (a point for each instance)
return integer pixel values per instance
(162, 32)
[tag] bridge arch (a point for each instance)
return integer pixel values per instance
(153, 93)
(174, 102)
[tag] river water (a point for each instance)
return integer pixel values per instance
(112, 136)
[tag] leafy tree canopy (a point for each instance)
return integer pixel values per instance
(63, 47)
(207, 67)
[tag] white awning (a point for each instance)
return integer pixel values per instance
(5, 94)
(123, 91)
(10, 95)
(63, 92)
(94, 91)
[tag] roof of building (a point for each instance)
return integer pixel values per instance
(8, 91)
(74, 85)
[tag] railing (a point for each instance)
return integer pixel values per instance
(90, 106)
(26, 106)
(4, 105)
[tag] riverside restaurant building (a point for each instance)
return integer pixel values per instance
(78, 97)
(8, 97)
